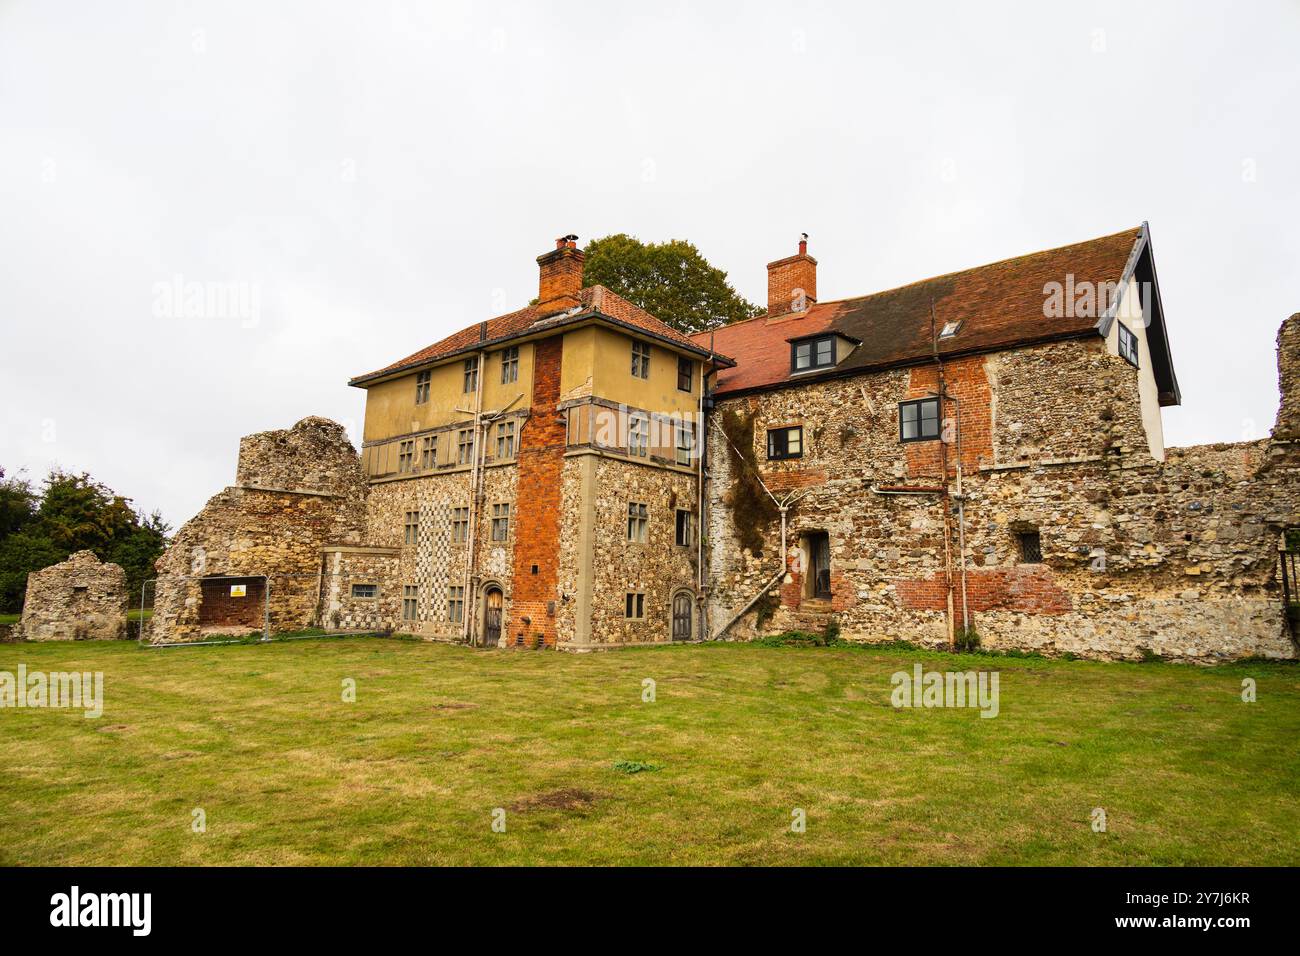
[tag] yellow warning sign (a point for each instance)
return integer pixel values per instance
(238, 590)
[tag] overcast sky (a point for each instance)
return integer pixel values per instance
(376, 175)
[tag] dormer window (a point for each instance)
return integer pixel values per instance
(812, 353)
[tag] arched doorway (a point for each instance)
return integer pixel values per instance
(683, 615)
(492, 604)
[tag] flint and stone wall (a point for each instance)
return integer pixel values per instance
(298, 490)
(77, 599)
(1176, 557)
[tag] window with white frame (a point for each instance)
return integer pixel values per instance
(638, 435)
(685, 532)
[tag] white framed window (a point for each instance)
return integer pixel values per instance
(685, 530)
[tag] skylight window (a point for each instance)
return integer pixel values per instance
(949, 329)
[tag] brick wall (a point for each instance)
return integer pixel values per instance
(537, 528)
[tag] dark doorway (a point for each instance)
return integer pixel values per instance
(683, 606)
(492, 617)
(819, 564)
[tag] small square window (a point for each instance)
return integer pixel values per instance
(684, 537)
(640, 360)
(365, 591)
(1031, 547)
(634, 606)
(685, 374)
(785, 442)
(422, 380)
(918, 420)
(1128, 344)
(510, 365)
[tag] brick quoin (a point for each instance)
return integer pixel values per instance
(1030, 589)
(966, 381)
(537, 526)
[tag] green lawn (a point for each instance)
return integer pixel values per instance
(258, 737)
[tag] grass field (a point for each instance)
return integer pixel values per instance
(259, 738)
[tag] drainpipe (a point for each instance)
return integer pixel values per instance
(475, 479)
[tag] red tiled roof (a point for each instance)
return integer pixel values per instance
(595, 300)
(999, 305)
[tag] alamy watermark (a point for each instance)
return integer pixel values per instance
(179, 299)
(80, 690)
(976, 689)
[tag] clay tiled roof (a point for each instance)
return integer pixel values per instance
(999, 305)
(596, 302)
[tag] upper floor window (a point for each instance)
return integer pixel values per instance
(510, 365)
(638, 435)
(422, 381)
(411, 528)
(638, 520)
(501, 521)
(464, 446)
(812, 353)
(785, 442)
(506, 440)
(1030, 546)
(471, 374)
(428, 451)
(685, 442)
(918, 420)
(1128, 344)
(640, 360)
(406, 456)
(685, 374)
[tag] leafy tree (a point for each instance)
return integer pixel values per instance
(670, 280)
(72, 513)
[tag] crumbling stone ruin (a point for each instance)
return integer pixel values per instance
(78, 599)
(250, 561)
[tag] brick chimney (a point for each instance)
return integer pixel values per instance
(561, 279)
(792, 282)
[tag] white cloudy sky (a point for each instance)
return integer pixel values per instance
(384, 173)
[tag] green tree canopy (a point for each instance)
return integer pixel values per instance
(71, 513)
(670, 280)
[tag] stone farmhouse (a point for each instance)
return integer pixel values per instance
(976, 453)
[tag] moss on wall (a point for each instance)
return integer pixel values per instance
(752, 508)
